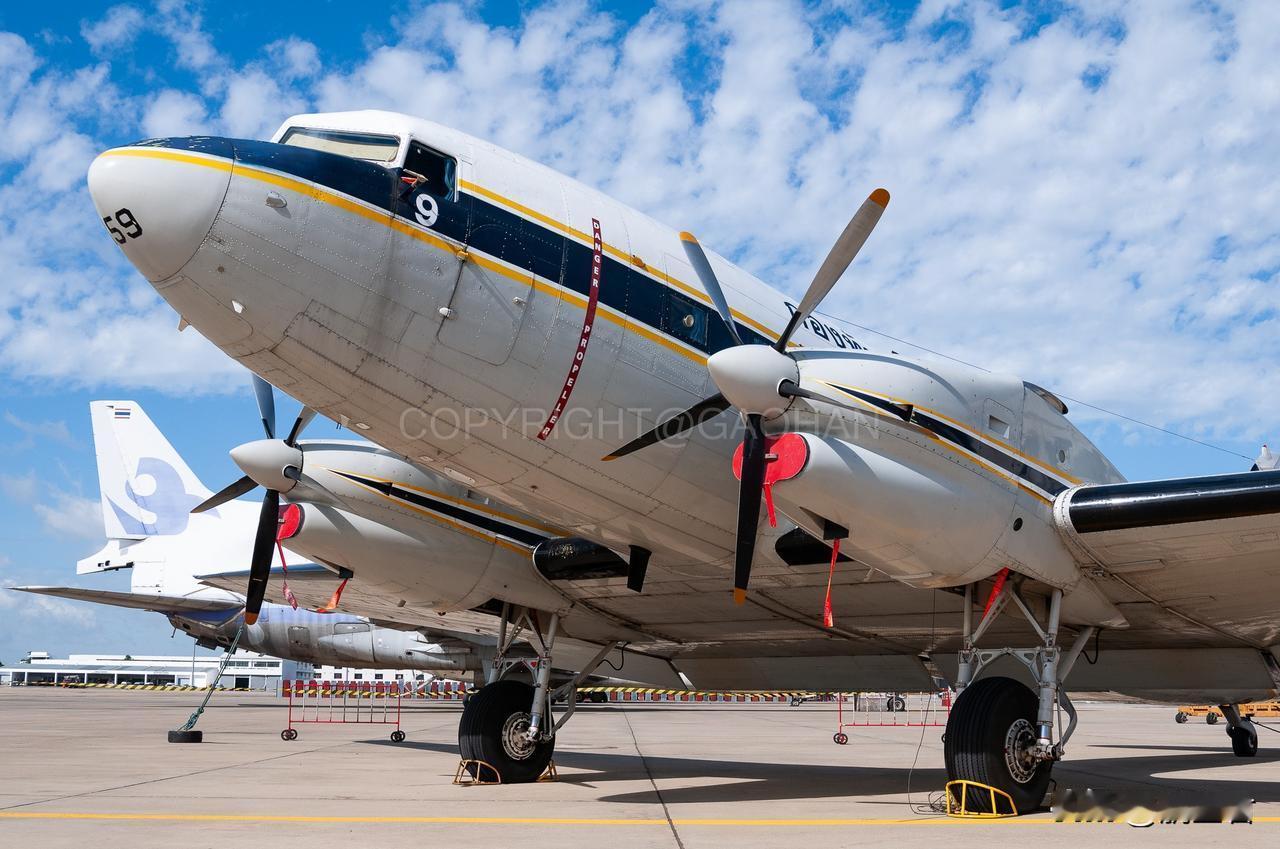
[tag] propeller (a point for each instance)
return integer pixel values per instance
(276, 465)
(761, 380)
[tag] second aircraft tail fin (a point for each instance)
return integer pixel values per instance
(147, 488)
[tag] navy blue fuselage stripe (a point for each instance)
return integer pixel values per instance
(970, 443)
(493, 230)
(479, 520)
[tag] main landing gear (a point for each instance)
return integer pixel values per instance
(1241, 730)
(1002, 733)
(507, 732)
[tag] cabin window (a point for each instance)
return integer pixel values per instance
(684, 319)
(434, 170)
(374, 148)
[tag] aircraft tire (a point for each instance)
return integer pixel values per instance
(991, 717)
(186, 736)
(1244, 740)
(1180, 717)
(490, 731)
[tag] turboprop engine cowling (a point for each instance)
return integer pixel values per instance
(440, 567)
(918, 516)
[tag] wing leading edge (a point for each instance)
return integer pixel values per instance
(136, 601)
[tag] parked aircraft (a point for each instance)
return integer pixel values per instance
(147, 492)
(371, 510)
(574, 359)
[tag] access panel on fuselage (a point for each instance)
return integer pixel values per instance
(494, 283)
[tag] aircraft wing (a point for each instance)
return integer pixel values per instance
(1192, 556)
(314, 585)
(137, 601)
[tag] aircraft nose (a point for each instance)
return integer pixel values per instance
(158, 200)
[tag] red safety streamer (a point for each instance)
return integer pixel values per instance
(828, 619)
(1001, 577)
(334, 599)
(288, 593)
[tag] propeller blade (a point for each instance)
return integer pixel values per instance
(299, 424)
(266, 405)
(842, 253)
(698, 259)
(235, 490)
(263, 547)
(749, 494)
(789, 389)
(701, 412)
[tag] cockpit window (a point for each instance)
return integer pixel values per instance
(356, 145)
(434, 170)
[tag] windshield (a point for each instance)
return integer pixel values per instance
(356, 145)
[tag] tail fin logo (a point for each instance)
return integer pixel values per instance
(168, 501)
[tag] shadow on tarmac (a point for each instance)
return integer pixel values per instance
(1136, 780)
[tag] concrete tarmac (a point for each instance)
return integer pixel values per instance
(91, 768)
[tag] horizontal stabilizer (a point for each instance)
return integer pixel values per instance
(137, 601)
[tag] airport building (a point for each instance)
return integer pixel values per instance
(245, 670)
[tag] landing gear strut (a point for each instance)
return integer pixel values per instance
(507, 725)
(1000, 732)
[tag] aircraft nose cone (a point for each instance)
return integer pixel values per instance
(158, 202)
(270, 463)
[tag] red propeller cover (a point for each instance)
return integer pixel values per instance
(785, 457)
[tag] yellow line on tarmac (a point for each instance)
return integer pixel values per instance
(749, 823)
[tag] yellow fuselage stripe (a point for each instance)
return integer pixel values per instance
(487, 536)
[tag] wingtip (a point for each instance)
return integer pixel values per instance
(250, 618)
(880, 197)
(686, 236)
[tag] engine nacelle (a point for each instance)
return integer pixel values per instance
(918, 517)
(439, 568)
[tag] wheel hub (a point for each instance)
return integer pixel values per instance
(515, 737)
(1019, 751)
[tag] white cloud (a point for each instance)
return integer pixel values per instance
(53, 431)
(71, 515)
(294, 58)
(115, 30)
(175, 113)
(40, 608)
(20, 488)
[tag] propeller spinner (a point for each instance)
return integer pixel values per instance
(276, 465)
(759, 380)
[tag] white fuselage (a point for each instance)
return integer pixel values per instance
(451, 329)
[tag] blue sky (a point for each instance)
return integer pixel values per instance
(1084, 195)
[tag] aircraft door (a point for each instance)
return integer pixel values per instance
(493, 283)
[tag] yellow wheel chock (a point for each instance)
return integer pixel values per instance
(468, 777)
(958, 805)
